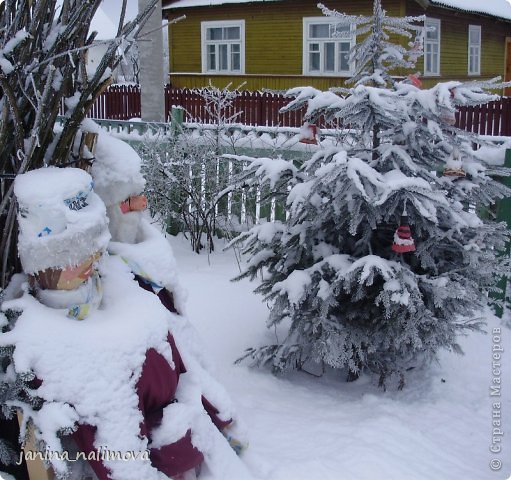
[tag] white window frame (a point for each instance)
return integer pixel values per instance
(474, 49)
(205, 42)
(306, 70)
(435, 71)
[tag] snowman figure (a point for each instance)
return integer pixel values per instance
(105, 361)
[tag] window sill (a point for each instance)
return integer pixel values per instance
(327, 75)
(226, 72)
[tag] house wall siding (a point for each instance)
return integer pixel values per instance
(274, 43)
(273, 27)
(454, 44)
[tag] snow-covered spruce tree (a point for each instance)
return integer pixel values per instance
(356, 289)
(43, 48)
(15, 390)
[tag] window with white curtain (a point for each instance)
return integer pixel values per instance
(223, 47)
(474, 49)
(326, 47)
(432, 47)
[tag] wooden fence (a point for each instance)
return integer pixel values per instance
(122, 102)
(118, 102)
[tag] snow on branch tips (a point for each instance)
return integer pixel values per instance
(383, 249)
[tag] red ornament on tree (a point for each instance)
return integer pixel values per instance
(415, 80)
(403, 241)
(308, 134)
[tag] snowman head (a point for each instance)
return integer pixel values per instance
(119, 182)
(62, 222)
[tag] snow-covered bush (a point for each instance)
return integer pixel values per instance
(219, 109)
(356, 289)
(187, 176)
(183, 184)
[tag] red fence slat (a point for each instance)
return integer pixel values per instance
(504, 117)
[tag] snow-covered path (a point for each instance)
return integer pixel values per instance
(438, 428)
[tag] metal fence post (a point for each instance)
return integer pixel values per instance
(176, 120)
(503, 214)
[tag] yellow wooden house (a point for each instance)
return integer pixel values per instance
(279, 44)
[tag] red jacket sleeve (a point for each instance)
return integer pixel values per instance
(84, 438)
(213, 414)
(167, 301)
(156, 389)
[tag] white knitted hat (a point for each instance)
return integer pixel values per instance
(116, 170)
(61, 220)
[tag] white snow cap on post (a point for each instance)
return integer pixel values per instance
(61, 220)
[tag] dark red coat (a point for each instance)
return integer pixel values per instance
(156, 389)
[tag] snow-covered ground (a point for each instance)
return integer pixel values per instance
(300, 427)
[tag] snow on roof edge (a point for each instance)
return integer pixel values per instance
(209, 3)
(494, 8)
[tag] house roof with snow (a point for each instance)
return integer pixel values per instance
(493, 8)
(207, 3)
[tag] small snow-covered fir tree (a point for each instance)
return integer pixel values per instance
(330, 271)
(15, 390)
(8, 453)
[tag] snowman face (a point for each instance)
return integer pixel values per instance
(124, 221)
(135, 203)
(67, 278)
(72, 277)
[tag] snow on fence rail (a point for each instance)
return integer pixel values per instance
(242, 209)
(122, 102)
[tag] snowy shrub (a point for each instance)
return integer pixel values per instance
(183, 187)
(187, 176)
(15, 389)
(359, 289)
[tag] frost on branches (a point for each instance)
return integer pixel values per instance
(185, 176)
(329, 272)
